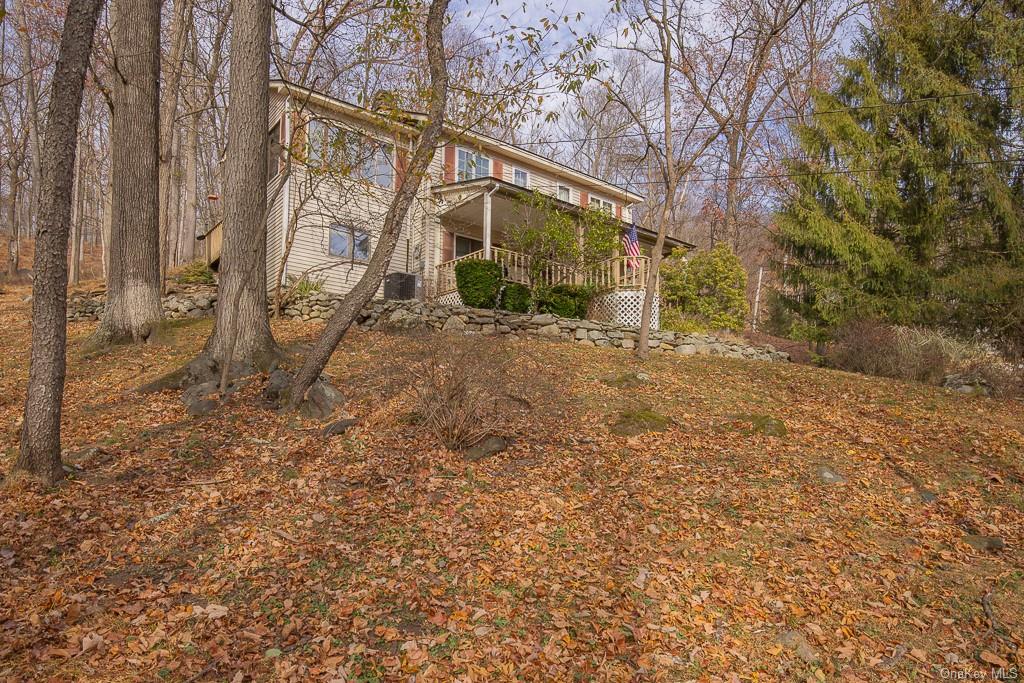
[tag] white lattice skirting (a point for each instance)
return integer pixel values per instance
(450, 299)
(623, 308)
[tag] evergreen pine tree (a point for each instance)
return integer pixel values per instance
(907, 203)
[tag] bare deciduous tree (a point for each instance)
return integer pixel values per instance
(369, 283)
(39, 455)
(133, 309)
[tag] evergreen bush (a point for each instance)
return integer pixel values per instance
(710, 287)
(515, 298)
(478, 282)
(566, 301)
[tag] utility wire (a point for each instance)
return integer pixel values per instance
(785, 117)
(848, 171)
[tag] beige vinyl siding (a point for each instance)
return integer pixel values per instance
(547, 182)
(275, 223)
(275, 217)
(321, 202)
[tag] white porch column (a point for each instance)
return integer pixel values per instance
(487, 225)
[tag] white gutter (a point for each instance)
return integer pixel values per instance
(286, 201)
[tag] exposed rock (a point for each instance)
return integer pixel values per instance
(799, 645)
(339, 427)
(277, 386)
(202, 407)
(641, 421)
(763, 424)
(967, 384)
(486, 448)
(981, 543)
(321, 401)
(626, 380)
(829, 475)
(198, 392)
(544, 319)
(454, 324)
(551, 330)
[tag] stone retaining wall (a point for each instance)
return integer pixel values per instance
(382, 315)
(192, 302)
(379, 315)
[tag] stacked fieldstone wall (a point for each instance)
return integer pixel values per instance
(192, 302)
(382, 315)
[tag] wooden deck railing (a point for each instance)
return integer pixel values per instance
(611, 275)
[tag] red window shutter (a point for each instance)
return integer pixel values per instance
(498, 171)
(618, 211)
(449, 163)
(584, 198)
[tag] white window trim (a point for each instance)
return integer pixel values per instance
(344, 127)
(475, 153)
(352, 236)
(595, 199)
(516, 169)
(558, 193)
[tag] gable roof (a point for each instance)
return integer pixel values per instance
(509, 150)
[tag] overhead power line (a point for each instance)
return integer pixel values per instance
(782, 117)
(845, 171)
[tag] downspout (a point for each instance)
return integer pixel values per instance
(286, 201)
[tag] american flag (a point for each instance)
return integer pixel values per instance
(631, 243)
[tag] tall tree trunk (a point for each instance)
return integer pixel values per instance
(732, 186)
(174, 205)
(369, 283)
(241, 332)
(133, 310)
(32, 114)
(191, 185)
(168, 110)
(76, 219)
(12, 224)
(39, 454)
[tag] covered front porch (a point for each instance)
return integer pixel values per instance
(475, 216)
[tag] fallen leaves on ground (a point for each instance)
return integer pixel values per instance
(246, 546)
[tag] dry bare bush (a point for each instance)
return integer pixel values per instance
(920, 355)
(469, 387)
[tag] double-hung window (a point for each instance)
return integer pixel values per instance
(472, 165)
(564, 194)
(348, 152)
(349, 242)
(603, 205)
(521, 178)
(372, 160)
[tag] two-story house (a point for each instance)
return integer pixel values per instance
(334, 167)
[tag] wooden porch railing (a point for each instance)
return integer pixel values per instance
(611, 275)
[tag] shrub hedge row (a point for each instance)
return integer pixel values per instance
(481, 285)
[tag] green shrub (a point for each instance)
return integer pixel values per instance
(672, 319)
(478, 282)
(711, 286)
(306, 286)
(515, 298)
(779, 319)
(556, 304)
(195, 273)
(566, 301)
